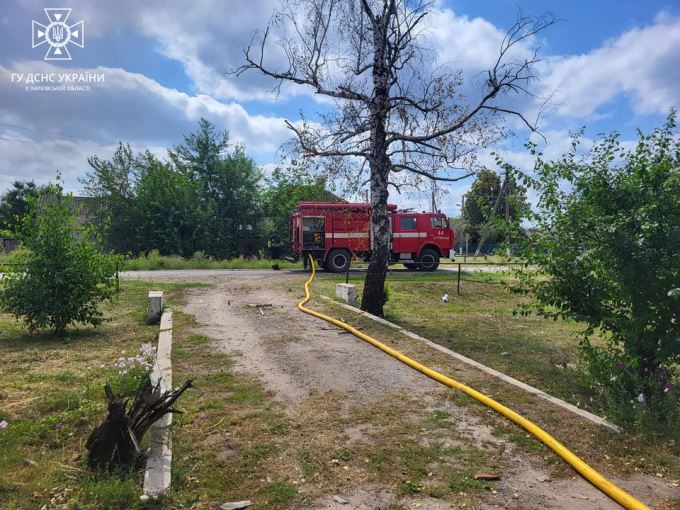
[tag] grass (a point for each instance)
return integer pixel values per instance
(52, 397)
(233, 441)
(480, 324)
(154, 261)
(544, 353)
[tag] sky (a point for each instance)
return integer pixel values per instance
(606, 65)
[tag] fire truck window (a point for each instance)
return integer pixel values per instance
(313, 224)
(438, 223)
(407, 223)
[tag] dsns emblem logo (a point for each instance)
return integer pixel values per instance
(58, 34)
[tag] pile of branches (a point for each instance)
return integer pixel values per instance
(116, 441)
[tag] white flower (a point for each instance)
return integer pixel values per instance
(641, 398)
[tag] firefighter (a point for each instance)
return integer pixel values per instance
(275, 246)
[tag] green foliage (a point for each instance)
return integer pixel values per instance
(171, 215)
(607, 241)
(480, 200)
(286, 188)
(114, 183)
(60, 274)
(229, 188)
(14, 204)
(206, 198)
(128, 373)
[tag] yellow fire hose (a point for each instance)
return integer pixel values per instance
(595, 478)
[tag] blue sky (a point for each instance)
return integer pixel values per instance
(609, 65)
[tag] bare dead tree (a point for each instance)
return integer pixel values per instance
(395, 112)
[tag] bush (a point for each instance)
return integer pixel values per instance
(607, 242)
(127, 374)
(60, 276)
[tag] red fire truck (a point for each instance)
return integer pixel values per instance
(334, 233)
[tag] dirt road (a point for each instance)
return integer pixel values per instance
(302, 359)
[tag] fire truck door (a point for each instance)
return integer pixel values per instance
(313, 233)
(405, 234)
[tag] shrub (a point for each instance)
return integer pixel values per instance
(60, 275)
(607, 244)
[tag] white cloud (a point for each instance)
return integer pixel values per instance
(643, 64)
(128, 107)
(472, 44)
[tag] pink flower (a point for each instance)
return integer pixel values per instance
(3, 424)
(58, 426)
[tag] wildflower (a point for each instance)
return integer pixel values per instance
(622, 365)
(3, 424)
(612, 378)
(667, 387)
(641, 398)
(102, 365)
(58, 426)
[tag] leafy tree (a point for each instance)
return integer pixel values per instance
(14, 204)
(396, 110)
(113, 182)
(61, 275)
(607, 242)
(230, 183)
(483, 198)
(285, 189)
(170, 213)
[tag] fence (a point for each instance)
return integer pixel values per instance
(396, 274)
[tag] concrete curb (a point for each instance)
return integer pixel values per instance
(159, 463)
(495, 373)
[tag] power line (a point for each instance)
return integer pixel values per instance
(55, 133)
(34, 142)
(18, 141)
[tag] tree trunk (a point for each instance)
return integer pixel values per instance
(372, 299)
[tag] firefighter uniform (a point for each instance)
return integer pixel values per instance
(275, 246)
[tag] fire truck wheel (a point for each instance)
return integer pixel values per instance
(338, 261)
(428, 260)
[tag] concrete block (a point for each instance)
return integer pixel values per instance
(154, 306)
(347, 292)
(159, 462)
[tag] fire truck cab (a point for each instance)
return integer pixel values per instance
(335, 233)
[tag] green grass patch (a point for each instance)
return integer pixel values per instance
(52, 398)
(154, 261)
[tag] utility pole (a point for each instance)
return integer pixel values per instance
(507, 211)
(463, 224)
(434, 196)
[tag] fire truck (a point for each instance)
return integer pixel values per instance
(336, 233)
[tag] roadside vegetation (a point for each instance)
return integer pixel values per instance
(154, 260)
(607, 245)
